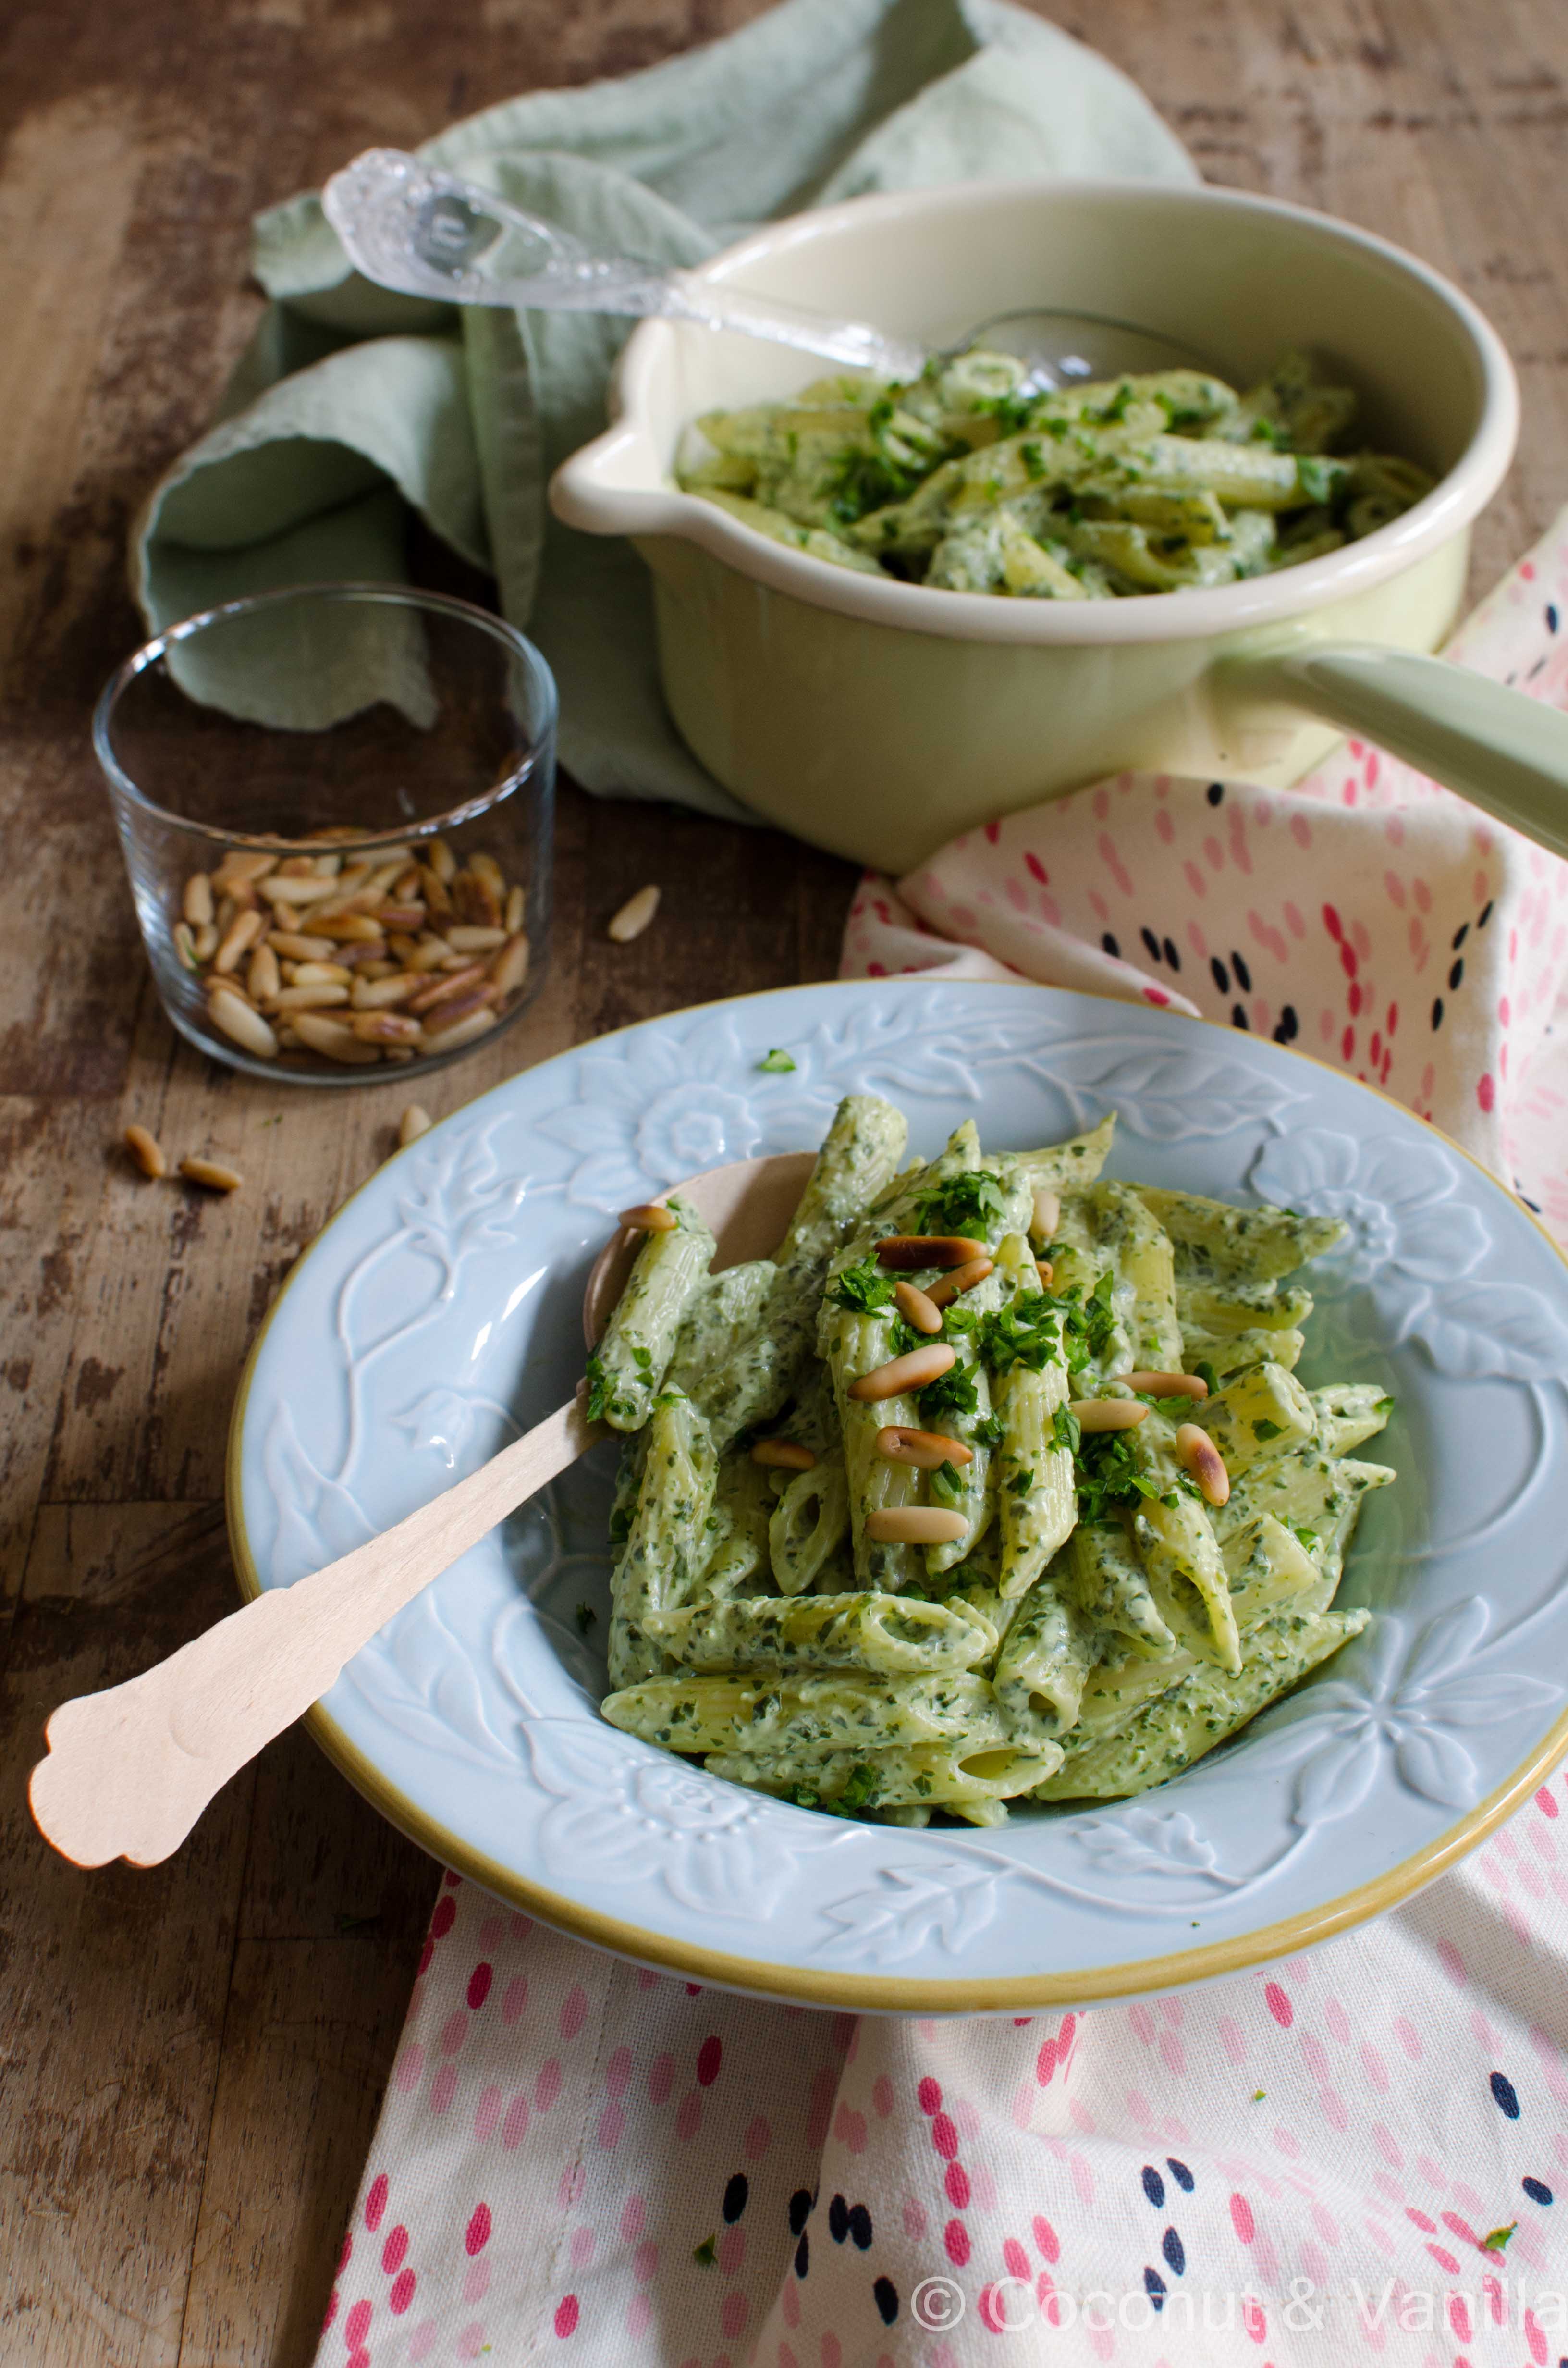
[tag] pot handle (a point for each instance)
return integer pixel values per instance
(1504, 752)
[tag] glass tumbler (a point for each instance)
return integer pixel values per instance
(336, 807)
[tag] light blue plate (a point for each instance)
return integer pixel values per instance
(440, 1313)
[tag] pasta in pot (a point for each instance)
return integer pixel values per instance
(962, 481)
(1120, 1539)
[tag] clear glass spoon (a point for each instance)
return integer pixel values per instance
(410, 226)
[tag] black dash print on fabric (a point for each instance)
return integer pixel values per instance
(1244, 975)
(1460, 936)
(1180, 2173)
(860, 2228)
(1289, 1027)
(1535, 670)
(1455, 975)
(1171, 954)
(736, 2191)
(1506, 2095)
(803, 2255)
(1484, 915)
(1438, 1011)
(1153, 2185)
(1536, 2190)
(1173, 2250)
(1218, 973)
(838, 2219)
(1155, 2288)
(800, 2205)
(1552, 617)
(1216, 790)
(1109, 946)
(1238, 1017)
(1152, 941)
(884, 2294)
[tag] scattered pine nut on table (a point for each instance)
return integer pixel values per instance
(146, 1150)
(213, 1173)
(635, 915)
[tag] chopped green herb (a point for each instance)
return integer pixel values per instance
(948, 1485)
(1263, 1428)
(1385, 1406)
(1067, 1429)
(1496, 2239)
(706, 2254)
(952, 1392)
(989, 1431)
(862, 1788)
(970, 1203)
(1258, 2095)
(864, 1287)
(598, 1389)
(776, 1063)
(1206, 1374)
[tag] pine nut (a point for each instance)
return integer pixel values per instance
(303, 867)
(635, 915)
(185, 944)
(928, 1249)
(374, 969)
(213, 1173)
(399, 916)
(485, 868)
(1046, 1213)
(515, 914)
(916, 1309)
(287, 890)
(782, 1455)
(465, 940)
(1167, 1385)
(204, 945)
(428, 955)
(329, 1036)
(263, 979)
(397, 1051)
(927, 1450)
(319, 997)
(510, 966)
(432, 888)
(326, 866)
(385, 1028)
(236, 868)
(910, 1372)
(443, 989)
(321, 974)
(146, 1150)
(240, 1024)
(464, 1033)
(242, 934)
(1046, 1272)
(443, 862)
(915, 1525)
(649, 1217)
(476, 900)
(1204, 1460)
(289, 941)
(950, 1286)
(358, 925)
(1108, 1414)
(381, 993)
(405, 888)
(353, 953)
(196, 902)
(414, 1122)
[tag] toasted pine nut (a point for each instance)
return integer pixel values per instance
(351, 925)
(185, 944)
(960, 1278)
(443, 989)
(476, 900)
(1205, 1463)
(302, 867)
(405, 888)
(329, 1036)
(237, 867)
(928, 1249)
(381, 993)
(353, 953)
(289, 890)
(1046, 1213)
(635, 915)
(300, 949)
(649, 1217)
(442, 862)
(1046, 1272)
(463, 939)
(231, 1012)
(414, 1122)
(429, 954)
(1108, 1414)
(242, 934)
(397, 1051)
(204, 945)
(385, 1028)
(915, 1525)
(485, 868)
(263, 979)
(513, 919)
(1167, 1385)
(510, 966)
(374, 968)
(319, 997)
(326, 866)
(925, 1449)
(447, 1015)
(146, 1150)
(910, 1372)
(322, 973)
(213, 1173)
(463, 1032)
(222, 917)
(433, 889)
(196, 902)
(916, 1309)
(399, 916)
(782, 1455)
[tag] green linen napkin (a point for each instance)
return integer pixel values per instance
(353, 405)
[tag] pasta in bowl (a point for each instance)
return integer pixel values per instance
(994, 1484)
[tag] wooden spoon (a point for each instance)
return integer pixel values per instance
(129, 1770)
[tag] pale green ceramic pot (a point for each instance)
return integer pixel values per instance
(878, 719)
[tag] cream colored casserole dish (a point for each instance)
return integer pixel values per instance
(878, 718)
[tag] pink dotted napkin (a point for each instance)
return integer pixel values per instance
(1367, 915)
(1359, 2156)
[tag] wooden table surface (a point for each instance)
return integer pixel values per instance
(191, 2056)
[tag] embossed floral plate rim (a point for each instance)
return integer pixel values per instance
(1432, 1656)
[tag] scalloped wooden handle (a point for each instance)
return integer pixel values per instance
(129, 1770)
